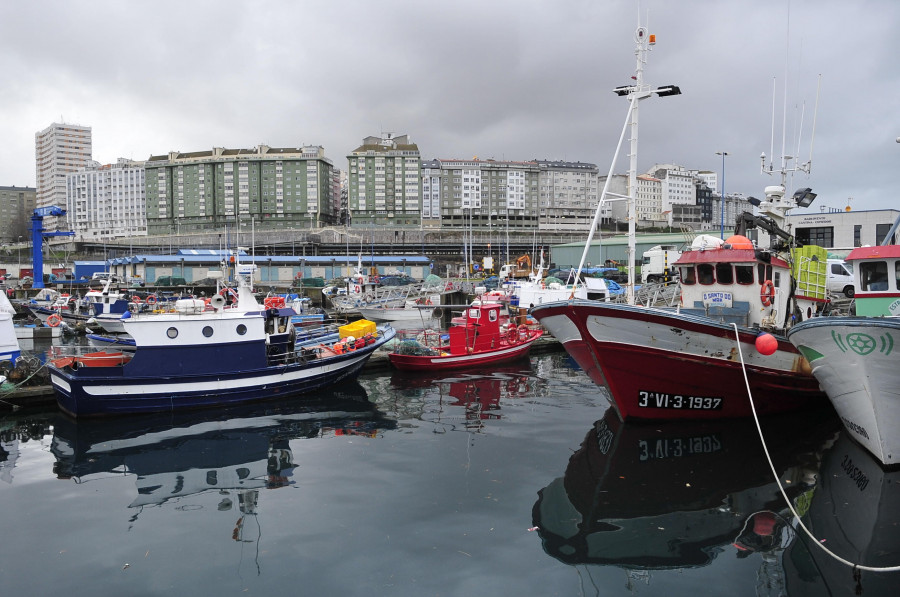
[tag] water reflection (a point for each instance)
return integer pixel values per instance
(854, 510)
(467, 399)
(677, 495)
(235, 451)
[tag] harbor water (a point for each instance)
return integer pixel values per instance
(519, 480)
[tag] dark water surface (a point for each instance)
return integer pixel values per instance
(517, 481)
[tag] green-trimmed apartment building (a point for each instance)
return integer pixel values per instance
(276, 188)
(383, 179)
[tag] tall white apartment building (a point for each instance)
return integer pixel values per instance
(59, 150)
(649, 201)
(107, 201)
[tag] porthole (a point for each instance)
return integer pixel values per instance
(172, 333)
(207, 331)
(241, 329)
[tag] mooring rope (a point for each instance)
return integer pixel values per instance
(818, 542)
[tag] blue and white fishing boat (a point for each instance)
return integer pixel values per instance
(198, 357)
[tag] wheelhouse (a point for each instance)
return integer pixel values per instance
(876, 275)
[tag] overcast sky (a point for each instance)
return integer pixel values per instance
(513, 80)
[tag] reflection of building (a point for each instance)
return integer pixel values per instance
(107, 201)
(16, 206)
(269, 186)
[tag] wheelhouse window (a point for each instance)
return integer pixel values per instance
(764, 272)
(688, 275)
(705, 273)
(873, 275)
(492, 315)
(724, 275)
(743, 274)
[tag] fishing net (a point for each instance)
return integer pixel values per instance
(415, 349)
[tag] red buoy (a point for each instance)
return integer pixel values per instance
(766, 344)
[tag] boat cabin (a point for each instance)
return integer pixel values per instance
(737, 283)
(479, 331)
(876, 276)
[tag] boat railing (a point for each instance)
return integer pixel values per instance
(658, 294)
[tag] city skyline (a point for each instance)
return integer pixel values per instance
(509, 81)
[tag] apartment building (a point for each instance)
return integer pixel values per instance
(270, 187)
(59, 150)
(384, 182)
(16, 206)
(107, 201)
(482, 193)
(568, 195)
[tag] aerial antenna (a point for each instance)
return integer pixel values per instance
(815, 116)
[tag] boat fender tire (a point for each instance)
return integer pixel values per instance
(767, 293)
(437, 313)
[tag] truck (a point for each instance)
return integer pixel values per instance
(518, 270)
(657, 263)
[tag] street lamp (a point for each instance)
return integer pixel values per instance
(723, 154)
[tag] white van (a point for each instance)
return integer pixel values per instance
(840, 278)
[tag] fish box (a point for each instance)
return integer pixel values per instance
(357, 329)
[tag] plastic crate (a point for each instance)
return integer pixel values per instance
(357, 329)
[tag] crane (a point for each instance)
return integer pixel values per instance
(37, 240)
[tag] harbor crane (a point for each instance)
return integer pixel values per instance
(37, 240)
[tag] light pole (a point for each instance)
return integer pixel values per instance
(722, 194)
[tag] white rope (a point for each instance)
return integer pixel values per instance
(778, 479)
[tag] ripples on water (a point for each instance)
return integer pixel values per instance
(518, 480)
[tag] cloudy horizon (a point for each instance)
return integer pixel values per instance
(505, 80)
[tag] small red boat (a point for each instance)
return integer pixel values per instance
(479, 340)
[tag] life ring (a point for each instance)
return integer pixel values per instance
(512, 335)
(54, 320)
(151, 299)
(767, 293)
(522, 332)
(357, 289)
(136, 300)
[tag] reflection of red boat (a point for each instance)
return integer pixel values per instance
(481, 340)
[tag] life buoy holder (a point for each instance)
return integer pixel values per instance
(54, 320)
(522, 332)
(767, 293)
(151, 299)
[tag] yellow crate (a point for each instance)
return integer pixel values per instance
(357, 329)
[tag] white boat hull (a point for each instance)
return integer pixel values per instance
(856, 361)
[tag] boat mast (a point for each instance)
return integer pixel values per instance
(635, 93)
